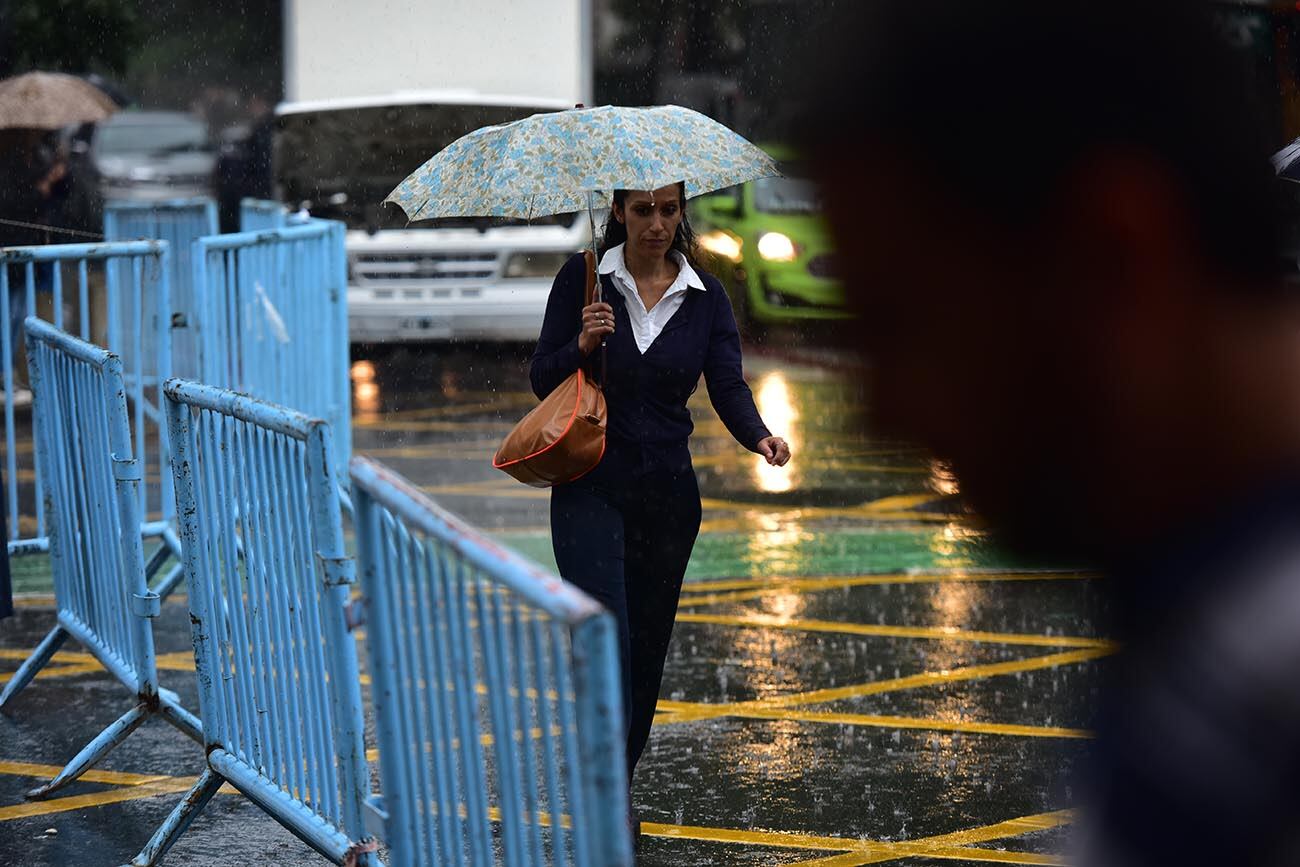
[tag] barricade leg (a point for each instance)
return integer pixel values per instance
(195, 800)
(40, 656)
(95, 750)
(169, 705)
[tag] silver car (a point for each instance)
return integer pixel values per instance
(154, 155)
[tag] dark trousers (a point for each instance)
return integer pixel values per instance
(625, 541)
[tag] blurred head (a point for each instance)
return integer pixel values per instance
(1058, 232)
(650, 222)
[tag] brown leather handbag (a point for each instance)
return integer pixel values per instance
(563, 438)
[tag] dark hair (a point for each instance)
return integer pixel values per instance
(1002, 99)
(615, 233)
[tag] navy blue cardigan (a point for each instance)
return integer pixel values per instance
(647, 394)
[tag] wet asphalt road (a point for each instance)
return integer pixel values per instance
(857, 675)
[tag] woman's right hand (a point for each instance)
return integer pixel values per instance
(597, 323)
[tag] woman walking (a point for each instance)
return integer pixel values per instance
(623, 533)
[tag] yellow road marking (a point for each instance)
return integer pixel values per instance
(138, 786)
(950, 846)
(33, 600)
(96, 799)
(887, 509)
(869, 851)
(956, 853)
(889, 722)
(58, 671)
(814, 582)
(94, 775)
(767, 586)
(936, 633)
(693, 712)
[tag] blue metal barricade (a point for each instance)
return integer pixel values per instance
(130, 313)
(272, 320)
(179, 222)
(256, 215)
(466, 639)
(91, 480)
(268, 578)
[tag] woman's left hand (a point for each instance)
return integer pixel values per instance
(775, 450)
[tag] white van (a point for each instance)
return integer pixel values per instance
(459, 279)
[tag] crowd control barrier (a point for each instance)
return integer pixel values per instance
(117, 295)
(256, 215)
(179, 222)
(464, 639)
(273, 320)
(91, 480)
(268, 579)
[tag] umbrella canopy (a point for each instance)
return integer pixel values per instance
(1286, 162)
(559, 162)
(51, 100)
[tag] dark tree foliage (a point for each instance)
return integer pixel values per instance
(76, 36)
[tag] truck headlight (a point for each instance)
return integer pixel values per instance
(723, 244)
(776, 247)
(535, 264)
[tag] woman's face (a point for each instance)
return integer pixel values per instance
(652, 218)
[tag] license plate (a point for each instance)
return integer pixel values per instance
(426, 325)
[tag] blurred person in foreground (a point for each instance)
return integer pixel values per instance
(1059, 233)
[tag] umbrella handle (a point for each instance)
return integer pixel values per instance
(600, 287)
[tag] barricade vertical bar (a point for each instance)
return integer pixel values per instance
(521, 681)
(282, 310)
(372, 547)
(254, 536)
(596, 681)
(261, 496)
(464, 777)
(538, 647)
(83, 441)
(508, 627)
(287, 601)
(83, 299)
(347, 692)
(435, 672)
(321, 779)
(136, 285)
(11, 454)
(56, 287)
(408, 718)
(463, 661)
(507, 767)
(578, 802)
(195, 556)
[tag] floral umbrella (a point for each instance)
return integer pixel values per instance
(561, 162)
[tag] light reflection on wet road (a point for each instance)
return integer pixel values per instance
(856, 676)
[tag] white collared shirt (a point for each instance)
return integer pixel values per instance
(647, 324)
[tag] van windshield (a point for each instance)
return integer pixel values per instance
(341, 163)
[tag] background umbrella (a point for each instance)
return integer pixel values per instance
(1286, 162)
(51, 100)
(562, 162)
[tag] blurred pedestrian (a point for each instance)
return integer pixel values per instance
(34, 187)
(624, 532)
(1063, 256)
